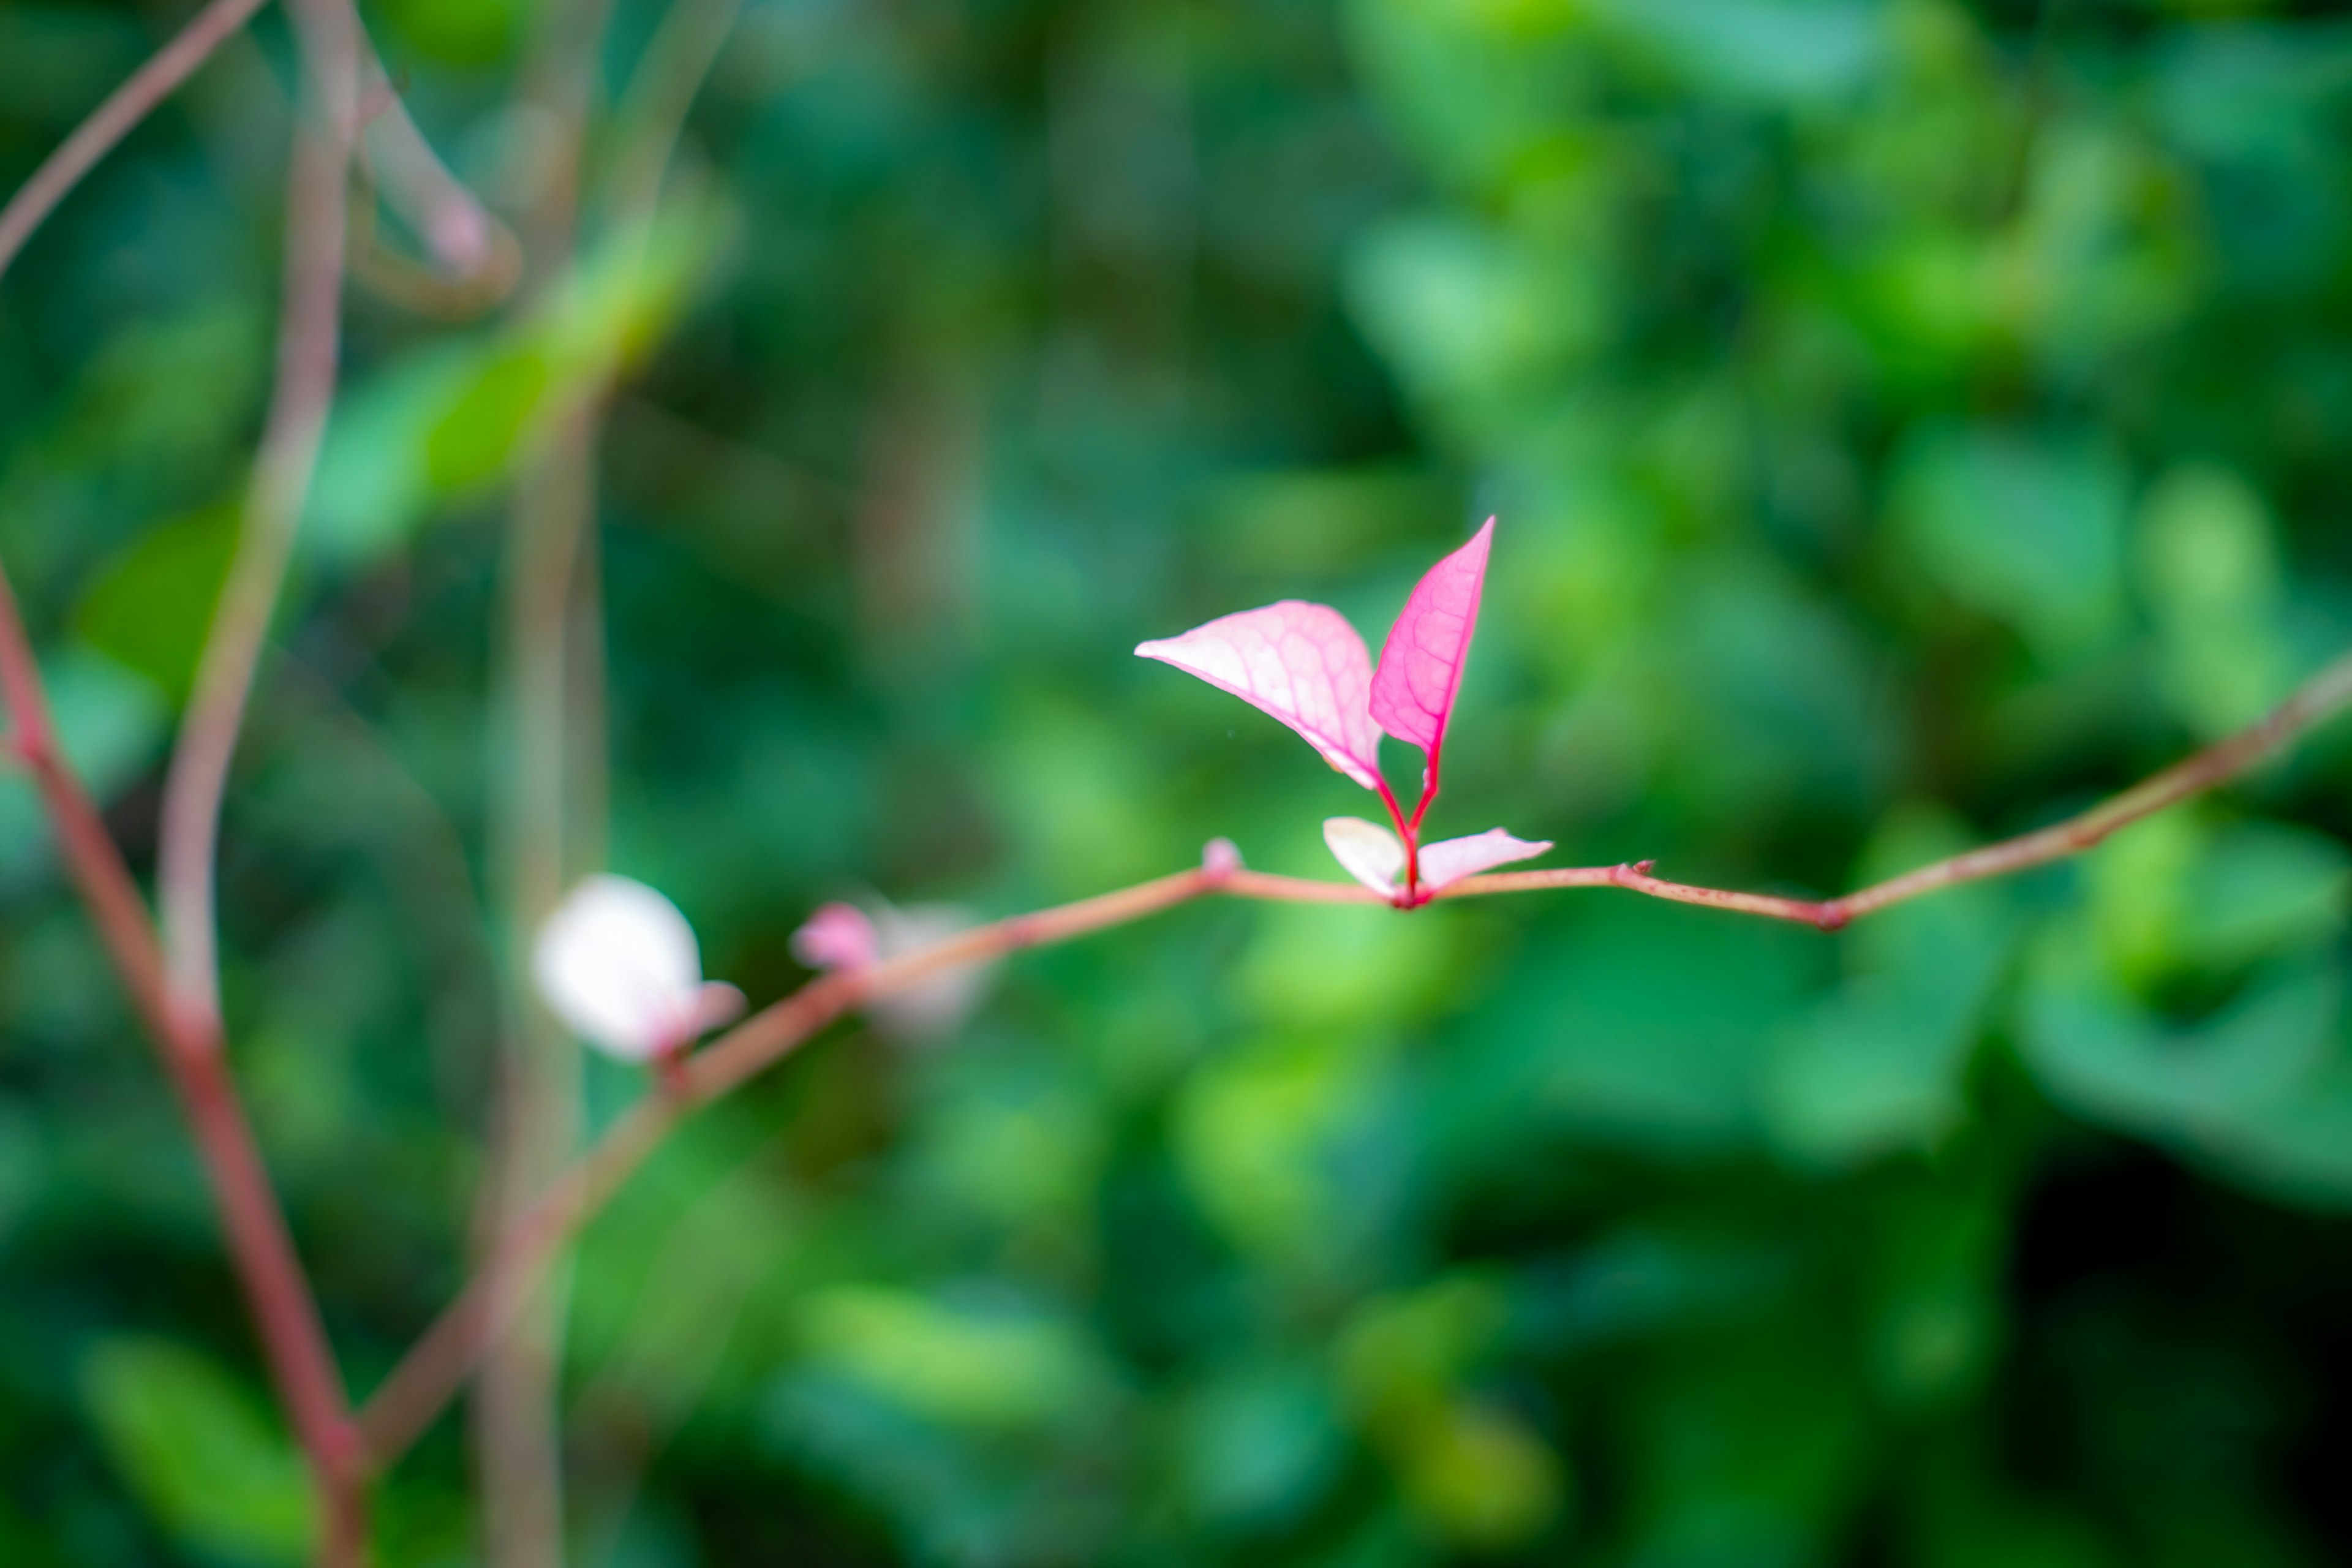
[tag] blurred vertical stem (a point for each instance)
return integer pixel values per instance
(555, 798)
(534, 1125)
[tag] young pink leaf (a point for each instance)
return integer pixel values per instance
(1449, 860)
(1302, 663)
(1421, 664)
(1367, 852)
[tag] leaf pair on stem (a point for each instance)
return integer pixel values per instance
(1304, 664)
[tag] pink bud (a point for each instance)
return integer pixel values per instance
(838, 936)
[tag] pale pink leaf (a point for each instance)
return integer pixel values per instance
(1302, 663)
(1367, 851)
(1449, 860)
(838, 936)
(930, 1010)
(1421, 666)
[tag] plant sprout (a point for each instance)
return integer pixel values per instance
(1306, 665)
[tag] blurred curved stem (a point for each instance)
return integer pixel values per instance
(308, 344)
(478, 257)
(114, 118)
(456, 227)
(438, 1364)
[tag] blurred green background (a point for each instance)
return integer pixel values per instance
(1908, 422)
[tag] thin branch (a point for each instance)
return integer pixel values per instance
(309, 347)
(90, 857)
(113, 119)
(2317, 698)
(437, 1364)
(286, 1316)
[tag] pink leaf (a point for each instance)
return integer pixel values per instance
(1421, 666)
(1449, 860)
(1302, 663)
(1367, 851)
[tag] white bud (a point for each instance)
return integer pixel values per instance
(618, 965)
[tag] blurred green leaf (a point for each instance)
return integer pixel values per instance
(964, 1367)
(1261, 1135)
(2257, 1091)
(193, 1446)
(1261, 1445)
(460, 32)
(149, 609)
(1764, 50)
(1937, 1320)
(471, 443)
(1465, 313)
(2022, 525)
(2179, 893)
(2209, 571)
(1481, 1476)
(1742, 1449)
(1877, 1064)
(1644, 1028)
(1475, 1471)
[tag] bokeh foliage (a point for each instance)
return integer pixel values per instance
(1908, 421)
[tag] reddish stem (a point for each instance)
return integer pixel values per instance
(1428, 788)
(1409, 832)
(293, 1340)
(438, 1364)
